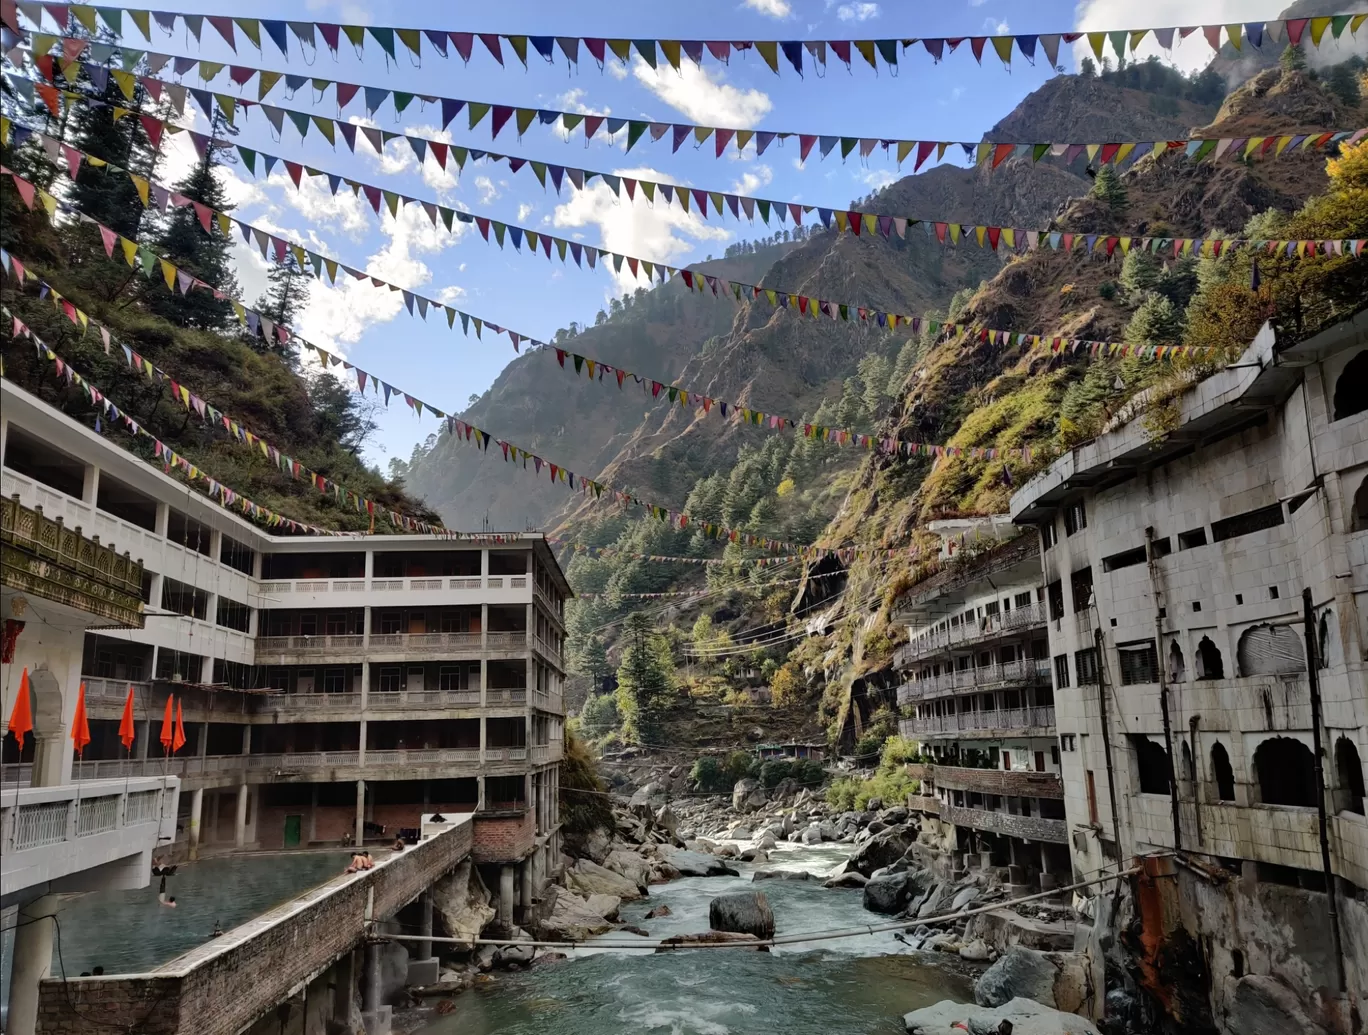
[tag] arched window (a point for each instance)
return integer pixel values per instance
(1327, 650)
(1210, 665)
(1350, 775)
(1286, 772)
(1222, 773)
(1189, 784)
(1351, 388)
(1177, 668)
(1266, 650)
(1152, 763)
(1358, 516)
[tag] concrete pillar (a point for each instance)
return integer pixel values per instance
(143, 740)
(506, 893)
(480, 780)
(484, 564)
(370, 979)
(484, 630)
(32, 961)
(240, 826)
(90, 486)
(163, 519)
(483, 720)
(484, 681)
(202, 748)
(424, 949)
(344, 988)
(526, 880)
(360, 813)
(196, 811)
(361, 743)
(51, 752)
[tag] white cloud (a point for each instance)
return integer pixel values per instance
(488, 191)
(524, 210)
(857, 12)
(702, 95)
(573, 100)
(996, 27)
(773, 8)
(878, 178)
(753, 179)
(661, 233)
(616, 69)
(1193, 53)
(397, 156)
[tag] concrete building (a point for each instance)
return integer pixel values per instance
(1208, 594)
(976, 694)
(59, 837)
(334, 689)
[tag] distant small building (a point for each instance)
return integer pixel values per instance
(791, 750)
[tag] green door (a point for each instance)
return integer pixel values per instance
(292, 824)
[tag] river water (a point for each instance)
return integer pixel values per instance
(853, 986)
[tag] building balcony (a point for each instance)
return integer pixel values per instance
(926, 803)
(85, 580)
(357, 647)
(87, 836)
(1017, 783)
(1035, 720)
(1032, 828)
(991, 627)
(434, 589)
(1025, 672)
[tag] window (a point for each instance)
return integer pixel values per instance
(337, 625)
(1358, 514)
(1061, 668)
(1222, 773)
(1092, 798)
(1139, 663)
(389, 679)
(1210, 665)
(1350, 771)
(990, 609)
(1266, 650)
(1152, 765)
(1351, 388)
(1075, 518)
(1162, 547)
(1286, 773)
(237, 555)
(1054, 754)
(1055, 592)
(308, 625)
(1125, 559)
(232, 615)
(1085, 664)
(1081, 586)
(451, 677)
(1068, 741)
(1047, 536)
(1177, 667)
(1022, 599)
(1192, 539)
(391, 622)
(334, 680)
(1244, 524)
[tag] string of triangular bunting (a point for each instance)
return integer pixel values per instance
(854, 221)
(657, 52)
(207, 412)
(980, 153)
(170, 460)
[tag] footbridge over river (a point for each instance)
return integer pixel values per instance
(304, 949)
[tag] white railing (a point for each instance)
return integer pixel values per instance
(385, 699)
(986, 677)
(424, 643)
(96, 815)
(142, 807)
(41, 824)
(988, 627)
(325, 644)
(505, 754)
(420, 584)
(505, 695)
(1034, 717)
(101, 689)
(516, 640)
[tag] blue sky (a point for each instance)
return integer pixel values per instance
(956, 100)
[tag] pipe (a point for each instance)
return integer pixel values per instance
(1313, 682)
(784, 939)
(1162, 673)
(1101, 648)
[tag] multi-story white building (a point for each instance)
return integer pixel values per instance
(1208, 594)
(976, 694)
(333, 688)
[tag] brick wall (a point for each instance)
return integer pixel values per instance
(504, 836)
(222, 987)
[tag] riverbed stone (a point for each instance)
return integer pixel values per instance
(743, 912)
(887, 893)
(1020, 973)
(883, 849)
(1026, 1017)
(570, 917)
(659, 911)
(812, 835)
(605, 906)
(684, 941)
(589, 878)
(748, 795)
(852, 879)
(462, 902)
(649, 795)
(696, 864)
(781, 875)
(1265, 1005)
(629, 864)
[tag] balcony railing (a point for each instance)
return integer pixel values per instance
(989, 627)
(1015, 782)
(311, 646)
(33, 817)
(424, 643)
(99, 688)
(1033, 828)
(420, 584)
(1014, 719)
(1023, 672)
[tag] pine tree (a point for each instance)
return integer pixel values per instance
(288, 294)
(1292, 59)
(205, 255)
(644, 682)
(1156, 322)
(1110, 189)
(103, 194)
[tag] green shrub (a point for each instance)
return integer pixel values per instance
(708, 775)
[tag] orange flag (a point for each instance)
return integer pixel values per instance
(179, 741)
(21, 718)
(80, 728)
(126, 723)
(168, 729)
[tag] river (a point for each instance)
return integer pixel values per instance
(853, 986)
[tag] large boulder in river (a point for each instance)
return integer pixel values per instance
(1026, 1017)
(648, 796)
(1058, 979)
(883, 849)
(628, 864)
(589, 878)
(748, 795)
(1265, 1005)
(462, 902)
(887, 893)
(743, 912)
(572, 918)
(684, 941)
